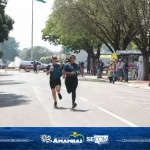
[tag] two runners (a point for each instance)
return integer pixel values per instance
(55, 72)
(70, 75)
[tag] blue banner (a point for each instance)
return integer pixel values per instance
(75, 138)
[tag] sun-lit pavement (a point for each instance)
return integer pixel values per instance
(25, 100)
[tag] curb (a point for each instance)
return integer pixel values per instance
(117, 83)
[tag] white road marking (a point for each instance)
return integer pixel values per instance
(119, 118)
(83, 99)
(113, 115)
(43, 104)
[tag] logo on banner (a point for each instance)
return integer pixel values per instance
(73, 138)
(98, 139)
(46, 138)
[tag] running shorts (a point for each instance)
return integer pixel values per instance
(71, 84)
(54, 83)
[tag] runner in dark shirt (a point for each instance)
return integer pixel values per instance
(55, 72)
(71, 81)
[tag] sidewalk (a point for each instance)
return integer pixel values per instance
(134, 83)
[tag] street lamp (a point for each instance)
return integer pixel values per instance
(32, 31)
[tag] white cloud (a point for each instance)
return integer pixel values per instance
(21, 12)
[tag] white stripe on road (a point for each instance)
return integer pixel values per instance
(119, 118)
(113, 115)
(83, 99)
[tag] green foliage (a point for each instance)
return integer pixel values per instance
(10, 49)
(1, 53)
(38, 52)
(6, 22)
(74, 39)
(45, 60)
(87, 24)
(132, 46)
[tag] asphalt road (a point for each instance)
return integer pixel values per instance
(25, 100)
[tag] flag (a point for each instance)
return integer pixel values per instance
(41, 1)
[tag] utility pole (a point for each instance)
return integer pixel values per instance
(32, 29)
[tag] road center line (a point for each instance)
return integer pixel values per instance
(119, 118)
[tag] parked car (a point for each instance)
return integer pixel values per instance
(29, 65)
(2, 66)
(45, 66)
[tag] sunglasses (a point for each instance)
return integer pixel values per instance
(54, 58)
(71, 58)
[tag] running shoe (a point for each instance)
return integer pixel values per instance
(55, 105)
(60, 96)
(74, 106)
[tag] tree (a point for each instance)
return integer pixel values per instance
(100, 18)
(45, 60)
(139, 15)
(115, 22)
(6, 22)
(38, 52)
(75, 39)
(10, 49)
(1, 53)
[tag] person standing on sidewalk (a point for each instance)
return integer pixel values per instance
(135, 68)
(126, 70)
(120, 69)
(140, 68)
(71, 80)
(55, 72)
(100, 68)
(110, 74)
(82, 68)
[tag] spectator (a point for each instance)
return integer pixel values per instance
(126, 70)
(110, 74)
(120, 70)
(135, 70)
(100, 68)
(82, 68)
(140, 68)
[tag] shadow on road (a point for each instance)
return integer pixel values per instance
(62, 108)
(10, 100)
(9, 82)
(79, 110)
(8, 75)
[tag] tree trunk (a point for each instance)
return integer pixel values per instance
(93, 65)
(88, 63)
(146, 66)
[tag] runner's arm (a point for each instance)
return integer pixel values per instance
(48, 70)
(65, 70)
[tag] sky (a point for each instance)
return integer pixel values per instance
(21, 12)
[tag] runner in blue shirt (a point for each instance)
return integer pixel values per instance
(71, 81)
(55, 72)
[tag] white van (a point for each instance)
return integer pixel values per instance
(29, 65)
